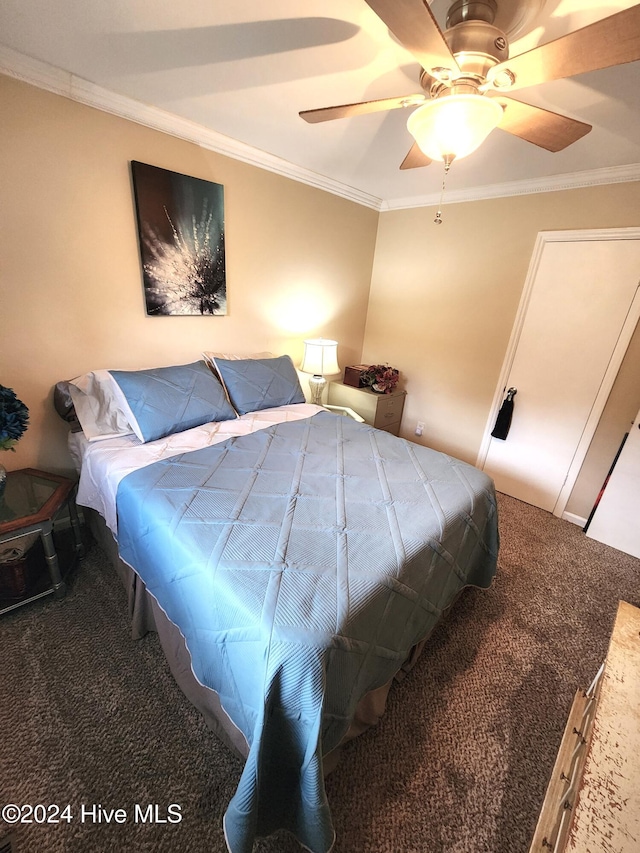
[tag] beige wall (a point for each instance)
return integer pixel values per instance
(298, 259)
(299, 262)
(444, 298)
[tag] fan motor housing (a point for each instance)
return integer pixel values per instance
(477, 46)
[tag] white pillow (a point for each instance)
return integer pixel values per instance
(101, 407)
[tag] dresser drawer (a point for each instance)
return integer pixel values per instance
(389, 410)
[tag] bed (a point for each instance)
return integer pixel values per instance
(293, 561)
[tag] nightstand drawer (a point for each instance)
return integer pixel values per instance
(383, 411)
(389, 410)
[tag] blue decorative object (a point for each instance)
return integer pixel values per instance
(14, 418)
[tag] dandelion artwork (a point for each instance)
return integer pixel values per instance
(181, 231)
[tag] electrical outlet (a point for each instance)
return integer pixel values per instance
(419, 428)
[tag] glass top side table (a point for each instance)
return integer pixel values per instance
(32, 499)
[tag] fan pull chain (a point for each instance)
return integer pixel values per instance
(447, 166)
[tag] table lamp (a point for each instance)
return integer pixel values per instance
(320, 357)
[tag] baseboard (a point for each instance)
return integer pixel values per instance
(574, 519)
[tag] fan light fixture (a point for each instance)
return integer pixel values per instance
(320, 357)
(452, 126)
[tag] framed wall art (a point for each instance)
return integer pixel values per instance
(181, 233)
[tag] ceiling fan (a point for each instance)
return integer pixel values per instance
(467, 77)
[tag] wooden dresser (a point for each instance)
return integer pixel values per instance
(593, 799)
(383, 411)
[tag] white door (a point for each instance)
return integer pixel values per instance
(575, 321)
(616, 521)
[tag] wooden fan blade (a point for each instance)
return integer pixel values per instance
(415, 158)
(413, 24)
(346, 110)
(612, 41)
(541, 127)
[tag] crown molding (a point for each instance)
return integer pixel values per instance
(45, 76)
(550, 183)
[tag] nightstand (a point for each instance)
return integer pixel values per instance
(31, 502)
(383, 411)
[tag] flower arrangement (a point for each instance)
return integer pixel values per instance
(14, 418)
(381, 378)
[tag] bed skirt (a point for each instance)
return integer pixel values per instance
(146, 615)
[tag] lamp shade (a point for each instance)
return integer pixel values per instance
(454, 125)
(320, 357)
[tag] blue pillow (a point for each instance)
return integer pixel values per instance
(165, 400)
(260, 383)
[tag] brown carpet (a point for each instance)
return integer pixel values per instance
(459, 763)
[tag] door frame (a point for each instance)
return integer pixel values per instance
(622, 344)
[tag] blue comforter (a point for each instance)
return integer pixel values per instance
(302, 563)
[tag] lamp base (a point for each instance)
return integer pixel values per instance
(317, 385)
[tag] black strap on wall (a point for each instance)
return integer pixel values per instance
(503, 421)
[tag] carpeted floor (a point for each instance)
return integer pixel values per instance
(459, 763)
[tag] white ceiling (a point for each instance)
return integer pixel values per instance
(245, 69)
